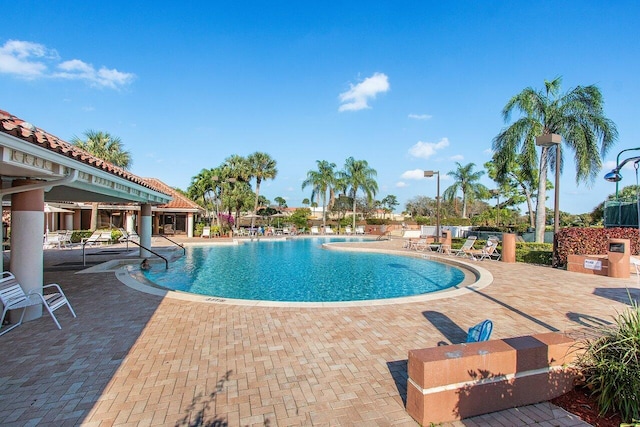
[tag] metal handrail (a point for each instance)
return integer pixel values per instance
(184, 251)
(166, 262)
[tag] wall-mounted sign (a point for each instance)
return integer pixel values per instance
(593, 264)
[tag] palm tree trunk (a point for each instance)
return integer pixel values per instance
(324, 214)
(354, 212)
(542, 197)
(255, 205)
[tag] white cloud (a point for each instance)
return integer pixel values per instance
(358, 96)
(457, 157)
(420, 116)
(424, 150)
(24, 59)
(413, 174)
(29, 60)
(401, 184)
(488, 151)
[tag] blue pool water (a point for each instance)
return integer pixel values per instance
(300, 270)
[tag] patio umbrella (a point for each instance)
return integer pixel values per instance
(251, 216)
(279, 215)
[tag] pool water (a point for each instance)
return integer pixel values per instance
(299, 270)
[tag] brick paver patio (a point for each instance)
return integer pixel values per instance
(132, 358)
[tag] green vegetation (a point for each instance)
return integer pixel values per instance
(611, 365)
(577, 116)
(105, 147)
(466, 180)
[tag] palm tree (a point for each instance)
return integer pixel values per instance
(465, 180)
(576, 115)
(108, 148)
(261, 167)
(357, 175)
(321, 181)
(203, 186)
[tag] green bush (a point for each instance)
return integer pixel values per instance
(378, 221)
(78, 235)
(534, 253)
(611, 365)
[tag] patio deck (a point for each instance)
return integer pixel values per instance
(132, 358)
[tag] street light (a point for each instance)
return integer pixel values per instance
(429, 174)
(549, 140)
(614, 175)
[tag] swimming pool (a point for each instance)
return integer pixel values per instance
(299, 270)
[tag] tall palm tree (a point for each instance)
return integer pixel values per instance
(108, 148)
(357, 175)
(465, 180)
(202, 185)
(321, 180)
(576, 115)
(261, 167)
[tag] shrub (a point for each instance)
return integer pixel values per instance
(611, 365)
(378, 221)
(593, 241)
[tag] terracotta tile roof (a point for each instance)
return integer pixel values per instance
(27, 132)
(178, 200)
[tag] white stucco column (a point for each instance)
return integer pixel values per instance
(27, 222)
(68, 221)
(130, 226)
(190, 224)
(145, 229)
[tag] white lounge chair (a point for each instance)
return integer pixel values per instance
(488, 251)
(328, 230)
(348, 230)
(466, 246)
(315, 230)
(206, 232)
(97, 238)
(360, 229)
(13, 297)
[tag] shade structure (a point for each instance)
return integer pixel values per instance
(278, 216)
(54, 209)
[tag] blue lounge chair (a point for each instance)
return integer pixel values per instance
(480, 332)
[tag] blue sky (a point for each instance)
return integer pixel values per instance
(407, 86)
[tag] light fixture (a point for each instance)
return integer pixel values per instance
(549, 140)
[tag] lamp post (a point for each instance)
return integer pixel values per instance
(614, 175)
(429, 174)
(549, 140)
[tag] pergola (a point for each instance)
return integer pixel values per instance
(37, 167)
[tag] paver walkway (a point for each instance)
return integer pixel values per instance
(132, 358)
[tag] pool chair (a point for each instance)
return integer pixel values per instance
(480, 332)
(13, 297)
(347, 230)
(360, 229)
(206, 232)
(315, 230)
(466, 247)
(328, 230)
(489, 251)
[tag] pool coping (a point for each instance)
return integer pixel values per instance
(131, 276)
